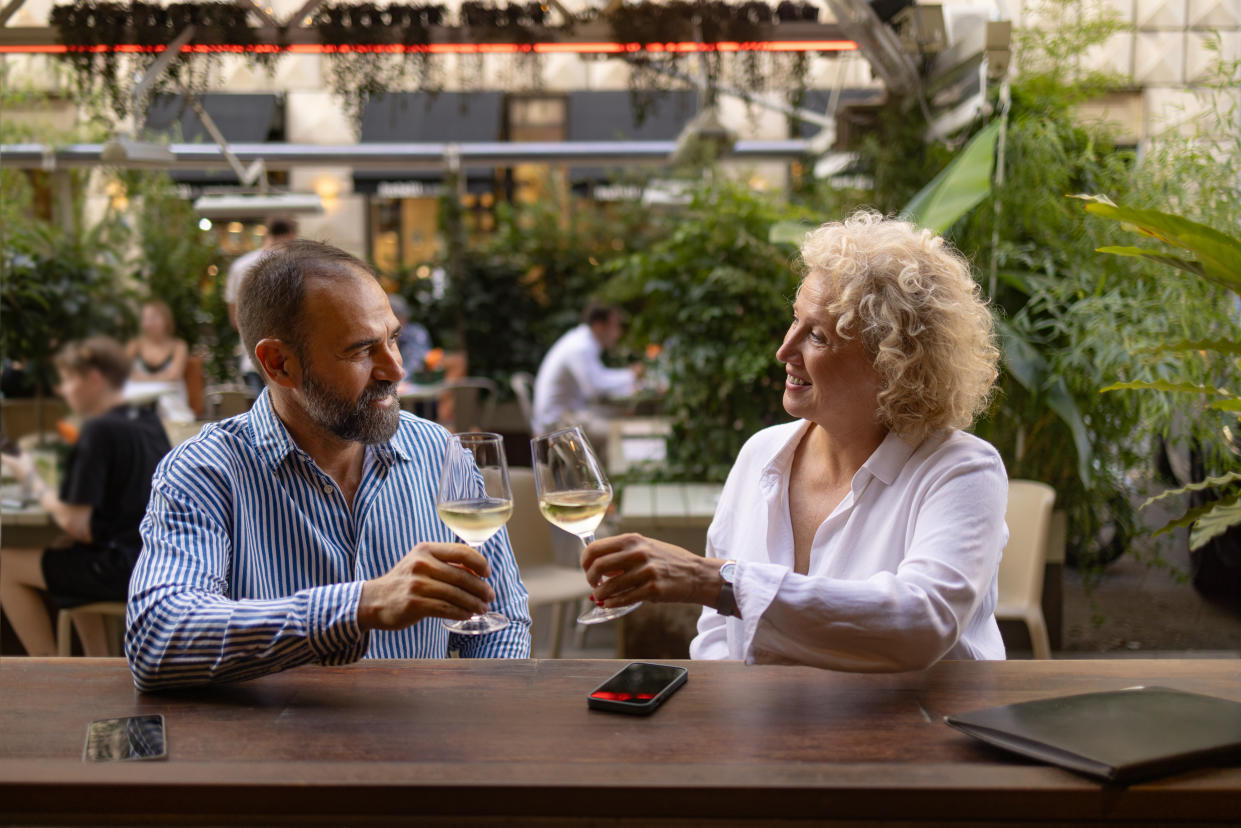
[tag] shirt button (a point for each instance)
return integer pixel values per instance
(327, 488)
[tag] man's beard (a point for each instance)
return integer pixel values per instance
(356, 421)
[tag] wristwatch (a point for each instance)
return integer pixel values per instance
(727, 603)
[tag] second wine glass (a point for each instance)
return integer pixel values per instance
(474, 501)
(574, 494)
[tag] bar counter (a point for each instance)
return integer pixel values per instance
(512, 742)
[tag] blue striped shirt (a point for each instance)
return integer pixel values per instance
(252, 561)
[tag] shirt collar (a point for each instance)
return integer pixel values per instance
(274, 443)
(884, 463)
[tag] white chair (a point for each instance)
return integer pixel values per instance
(1021, 568)
(523, 389)
(225, 401)
(111, 612)
(531, 535)
(473, 403)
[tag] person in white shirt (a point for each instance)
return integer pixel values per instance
(866, 535)
(279, 229)
(573, 376)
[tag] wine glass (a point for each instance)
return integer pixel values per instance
(474, 501)
(574, 494)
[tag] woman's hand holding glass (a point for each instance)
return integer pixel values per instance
(574, 494)
(639, 568)
(475, 500)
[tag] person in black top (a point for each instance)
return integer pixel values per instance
(102, 499)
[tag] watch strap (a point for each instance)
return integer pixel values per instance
(727, 602)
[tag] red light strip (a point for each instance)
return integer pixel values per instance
(449, 48)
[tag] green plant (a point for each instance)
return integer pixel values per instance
(56, 287)
(716, 293)
(1216, 259)
(510, 294)
(59, 279)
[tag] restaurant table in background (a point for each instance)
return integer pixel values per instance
(637, 442)
(492, 742)
(168, 397)
(421, 399)
(24, 524)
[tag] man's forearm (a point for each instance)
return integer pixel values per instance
(181, 637)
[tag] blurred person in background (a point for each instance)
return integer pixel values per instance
(102, 498)
(572, 378)
(160, 356)
(414, 342)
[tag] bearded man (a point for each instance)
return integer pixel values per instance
(305, 531)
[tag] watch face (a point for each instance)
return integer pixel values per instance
(729, 571)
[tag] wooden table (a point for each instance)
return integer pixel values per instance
(24, 525)
(505, 742)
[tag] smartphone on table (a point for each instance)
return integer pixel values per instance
(125, 739)
(637, 689)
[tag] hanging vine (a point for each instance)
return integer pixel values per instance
(371, 49)
(106, 75)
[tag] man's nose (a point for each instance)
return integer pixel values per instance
(389, 366)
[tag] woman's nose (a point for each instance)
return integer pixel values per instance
(787, 351)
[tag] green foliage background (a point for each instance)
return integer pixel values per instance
(717, 294)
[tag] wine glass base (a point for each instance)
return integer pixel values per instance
(598, 615)
(488, 622)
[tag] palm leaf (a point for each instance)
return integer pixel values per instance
(959, 187)
(1164, 385)
(1220, 346)
(1158, 258)
(1200, 486)
(1026, 365)
(1222, 516)
(1218, 255)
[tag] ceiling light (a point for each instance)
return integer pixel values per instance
(238, 205)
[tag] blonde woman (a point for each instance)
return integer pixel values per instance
(867, 534)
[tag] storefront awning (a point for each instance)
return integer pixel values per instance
(423, 118)
(241, 119)
(611, 115)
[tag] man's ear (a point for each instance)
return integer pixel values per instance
(277, 360)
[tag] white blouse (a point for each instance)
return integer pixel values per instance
(902, 573)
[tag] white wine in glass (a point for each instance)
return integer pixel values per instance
(574, 494)
(474, 501)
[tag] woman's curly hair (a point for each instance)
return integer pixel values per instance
(920, 315)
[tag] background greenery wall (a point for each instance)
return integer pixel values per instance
(505, 298)
(718, 295)
(63, 277)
